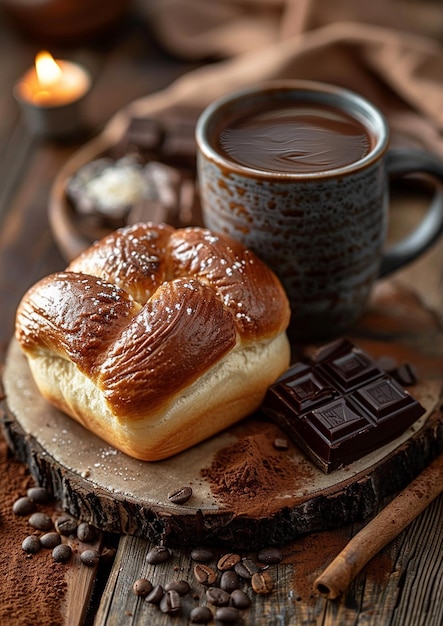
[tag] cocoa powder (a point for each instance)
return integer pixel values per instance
(310, 554)
(247, 475)
(33, 586)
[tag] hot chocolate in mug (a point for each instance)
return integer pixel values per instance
(299, 172)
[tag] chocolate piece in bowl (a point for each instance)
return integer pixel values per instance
(142, 135)
(340, 406)
(170, 138)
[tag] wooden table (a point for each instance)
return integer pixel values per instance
(402, 585)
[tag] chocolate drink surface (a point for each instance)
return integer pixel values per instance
(341, 406)
(296, 138)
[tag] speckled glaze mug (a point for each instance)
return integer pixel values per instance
(299, 172)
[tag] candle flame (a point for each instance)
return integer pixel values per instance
(52, 83)
(47, 69)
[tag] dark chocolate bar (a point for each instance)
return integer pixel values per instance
(340, 405)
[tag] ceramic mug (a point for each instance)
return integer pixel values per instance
(299, 172)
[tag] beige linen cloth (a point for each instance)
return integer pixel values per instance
(390, 51)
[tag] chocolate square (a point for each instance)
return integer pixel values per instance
(340, 406)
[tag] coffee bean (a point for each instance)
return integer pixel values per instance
(89, 557)
(202, 555)
(250, 565)
(142, 587)
(31, 544)
(180, 586)
(50, 540)
(170, 603)
(155, 596)
(229, 581)
(262, 583)
(246, 568)
(108, 555)
(227, 561)
(62, 553)
(23, 506)
(405, 374)
(270, 556)
(66, 525)
(180, 495)
(241, 570)
(86, 533)
(204, 574)
(227, 614)
(240, 599)
(158, 554)
(200, 615)
(38, 494)
(217, 596)
(40, 521)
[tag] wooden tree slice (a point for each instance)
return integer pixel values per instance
(267, 497)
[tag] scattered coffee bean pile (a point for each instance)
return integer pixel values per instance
(228, 582)
(228, 579)
(48, 534)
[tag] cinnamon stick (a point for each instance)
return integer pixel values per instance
(381, 530)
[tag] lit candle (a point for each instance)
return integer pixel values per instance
(50, 94)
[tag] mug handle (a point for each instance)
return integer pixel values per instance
(400, 162)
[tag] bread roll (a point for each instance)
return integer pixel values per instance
(155, 338)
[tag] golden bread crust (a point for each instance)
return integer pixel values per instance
(156, 338)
